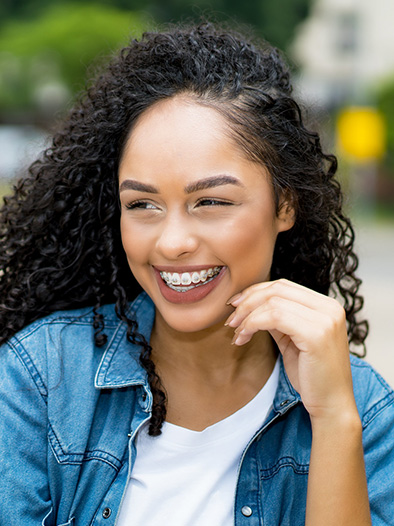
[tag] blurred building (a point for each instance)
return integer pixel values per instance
(345, 48)
(345, 51)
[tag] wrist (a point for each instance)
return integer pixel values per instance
(338, 424)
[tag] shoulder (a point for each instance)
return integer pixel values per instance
(49, 349)
(373, 394)
(73, 324)
(58, 320)
(44, 348)
(375, 402)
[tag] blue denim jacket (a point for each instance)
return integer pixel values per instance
(70, 412)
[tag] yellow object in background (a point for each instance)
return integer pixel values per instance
(361, 133)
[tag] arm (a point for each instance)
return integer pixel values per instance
(337, 488)
(24, 492)
(310, 331)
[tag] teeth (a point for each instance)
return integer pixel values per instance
(195, 277)
(186, 279)
(176, 280)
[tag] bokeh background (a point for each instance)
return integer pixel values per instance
(342, 57)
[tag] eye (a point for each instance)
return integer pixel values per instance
(212, 202)
(140, 205)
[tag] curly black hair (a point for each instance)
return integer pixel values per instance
(60, 244)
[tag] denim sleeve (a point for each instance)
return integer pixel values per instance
(24, 489)
(378, 441)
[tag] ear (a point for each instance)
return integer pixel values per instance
(286, 214)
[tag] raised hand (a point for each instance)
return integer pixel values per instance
(310, 332)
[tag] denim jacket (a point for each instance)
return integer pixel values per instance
(70, 411)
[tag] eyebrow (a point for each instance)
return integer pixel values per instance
(211, 182)
(130, 184)
(202, 184)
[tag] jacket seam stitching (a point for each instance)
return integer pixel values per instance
(302, 469)
(30, 368)
(61, 321)
(377, 408)
(376, 375)
(55, 444)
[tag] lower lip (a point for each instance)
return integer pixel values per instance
(192, 295)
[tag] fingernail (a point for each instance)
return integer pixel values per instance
(237, 338)
(229, 319)
(234, 299)
(233, 321)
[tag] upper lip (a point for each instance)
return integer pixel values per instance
(187, 268)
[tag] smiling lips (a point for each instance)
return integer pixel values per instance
(188, 287)
(182, 282)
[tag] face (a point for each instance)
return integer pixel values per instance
(198, 219)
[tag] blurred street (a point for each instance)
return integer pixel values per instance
(375, 246)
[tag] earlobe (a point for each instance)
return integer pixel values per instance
(286, 215)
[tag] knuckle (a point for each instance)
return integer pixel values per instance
(336, 310)
(273, 302)
(334, 322)
(278, 284)
(276, 314)
(335, 305)
(339, 313)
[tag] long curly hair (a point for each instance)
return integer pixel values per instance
(60, 244)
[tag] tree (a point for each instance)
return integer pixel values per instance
(44, 62)
(44, 59)
(385, 102)
(274, 20)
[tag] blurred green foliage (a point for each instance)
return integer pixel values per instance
(385, 102)
(274, 20)
(45, 60)
(48, 47)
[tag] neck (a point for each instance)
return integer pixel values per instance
(210, 355)
(205, 377)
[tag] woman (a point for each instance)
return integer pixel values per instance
(223, 393)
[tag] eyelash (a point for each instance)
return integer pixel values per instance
(138, 204)
(213, 202)
(144, 204)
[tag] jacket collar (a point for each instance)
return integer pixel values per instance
(120, 367)
(286, 396)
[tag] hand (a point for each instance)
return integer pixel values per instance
(310, 332)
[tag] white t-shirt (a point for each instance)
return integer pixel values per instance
(188, 478)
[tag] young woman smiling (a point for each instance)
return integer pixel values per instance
(173, 353)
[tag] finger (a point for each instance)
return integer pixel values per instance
(302, 324)
(237, 298)
(267, 292)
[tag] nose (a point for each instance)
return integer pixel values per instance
(177, 237)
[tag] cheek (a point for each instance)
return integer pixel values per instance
(136, 247)
(134, 243)
(250, 247)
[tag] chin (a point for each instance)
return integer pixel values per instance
(189, 322)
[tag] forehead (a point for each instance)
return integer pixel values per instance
(179, 121)
(179, 141)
